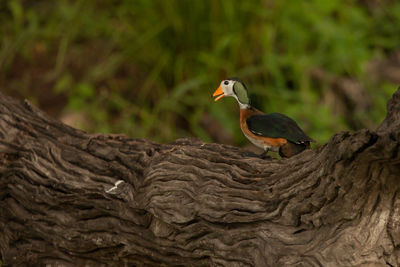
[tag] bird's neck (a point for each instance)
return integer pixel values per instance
(244, 106)
(247, 112)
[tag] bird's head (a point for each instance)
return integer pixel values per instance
(235, 88)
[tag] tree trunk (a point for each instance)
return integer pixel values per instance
(68, 198)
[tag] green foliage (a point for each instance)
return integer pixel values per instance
(148, 68)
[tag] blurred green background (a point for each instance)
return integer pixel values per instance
(148, 68)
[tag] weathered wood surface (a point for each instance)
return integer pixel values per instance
(189, 203)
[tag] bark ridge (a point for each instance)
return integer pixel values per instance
(70, 198)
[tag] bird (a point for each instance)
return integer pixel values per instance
(271, 132)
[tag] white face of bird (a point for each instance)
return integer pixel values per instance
(235, 89)
(224, 89)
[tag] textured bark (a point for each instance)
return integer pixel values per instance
(69, 198)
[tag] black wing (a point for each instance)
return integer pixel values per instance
(276, 125)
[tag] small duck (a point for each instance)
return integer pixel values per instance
(274, 131)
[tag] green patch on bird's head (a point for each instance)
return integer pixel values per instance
(240, 91)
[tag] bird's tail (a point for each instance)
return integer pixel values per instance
(290, 149)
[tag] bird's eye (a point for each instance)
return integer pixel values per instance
(226, 82)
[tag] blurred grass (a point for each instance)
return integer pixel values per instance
(148, 68)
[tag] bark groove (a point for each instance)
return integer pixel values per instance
(70, 198)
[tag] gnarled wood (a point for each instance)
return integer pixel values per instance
(69, 198)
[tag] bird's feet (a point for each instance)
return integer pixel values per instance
(250, 154)
(264, 155)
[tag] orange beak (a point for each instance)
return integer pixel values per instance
(218, 93)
